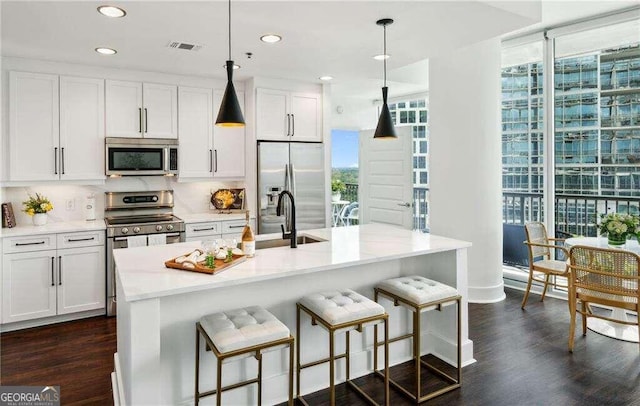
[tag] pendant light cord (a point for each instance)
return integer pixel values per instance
(384, 28)
(229, 30)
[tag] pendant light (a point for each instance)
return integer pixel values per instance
(230, 114)
(385, 127)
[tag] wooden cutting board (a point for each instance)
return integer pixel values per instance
(201, 267)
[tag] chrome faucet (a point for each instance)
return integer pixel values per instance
(291, 235)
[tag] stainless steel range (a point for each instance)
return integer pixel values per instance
(136, 219)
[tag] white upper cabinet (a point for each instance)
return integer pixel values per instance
(288, 116)
(136, 110)
(228, 144)
(195, 128)
(33, 127)
(81, 128)
(124, 109)
(160, 104)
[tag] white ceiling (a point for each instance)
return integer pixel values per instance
(336, 38)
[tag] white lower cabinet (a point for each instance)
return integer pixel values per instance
(40, 283)
(28, 285)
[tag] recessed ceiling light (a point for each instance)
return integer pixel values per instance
(235, 67)
(271, 38)
(381, 57)
(106, 51)
(325, 78)
(112, 11)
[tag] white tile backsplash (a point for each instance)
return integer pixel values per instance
(191, 197)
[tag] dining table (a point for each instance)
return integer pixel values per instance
(618, 331)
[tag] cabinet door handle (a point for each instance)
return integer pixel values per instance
(62, 158)
(140, 119)
(215, 160)
(204, 229)
(81, 239)
(52, 265)
(293, 125)
(59, 270)
(210, 160)
(146, 121)
(288, 125)
(55, 160)
(20, 244)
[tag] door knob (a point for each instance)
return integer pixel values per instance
(405, 204)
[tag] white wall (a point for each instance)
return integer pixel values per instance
(465, 160)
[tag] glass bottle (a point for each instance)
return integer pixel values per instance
(248, 239)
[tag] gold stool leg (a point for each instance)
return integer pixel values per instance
(416, 351)
(375, 338)
(332, 388)
(219, 382)
(291, 345)
(197, 389)
(459, 342)
(259, 379)
(386, 360)
(347, 352)
(298, 336)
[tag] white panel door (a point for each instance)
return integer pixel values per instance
(195, 129)
(124, 109)
(160, 111)
(81, 279)
(306, 117)
(81, 128)
(272, 121)
(28, 286)
(386, 179)
(33, 127)
(228, 145)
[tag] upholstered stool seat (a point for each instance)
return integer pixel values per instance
(241, 333)
(420, 294)
(341, 311)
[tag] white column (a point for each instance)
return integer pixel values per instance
(465, 160)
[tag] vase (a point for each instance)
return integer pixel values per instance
(335, 197)
(616, 241)
(39, 219)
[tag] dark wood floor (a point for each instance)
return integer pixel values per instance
(522, 360)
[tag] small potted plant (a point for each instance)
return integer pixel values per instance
(337, 187)
(37, 207)
(617, 227)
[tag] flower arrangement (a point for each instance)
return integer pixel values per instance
(38, 204)
(617, 227)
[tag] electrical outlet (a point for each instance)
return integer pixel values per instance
(70, 204)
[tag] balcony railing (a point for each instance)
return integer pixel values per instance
(350, 193)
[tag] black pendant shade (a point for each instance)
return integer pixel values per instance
(230, 114)
(385, 128)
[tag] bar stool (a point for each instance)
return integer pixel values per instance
(342, 311)
(238, 334)
(420, 294)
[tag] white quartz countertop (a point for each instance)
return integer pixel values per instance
(53, 228)
(189, 218)
(143, 275)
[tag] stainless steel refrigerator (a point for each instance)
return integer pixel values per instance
(299, 168)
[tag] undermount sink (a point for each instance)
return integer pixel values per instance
(302, 239)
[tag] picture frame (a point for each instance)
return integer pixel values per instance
(8, 218)
(228, 199)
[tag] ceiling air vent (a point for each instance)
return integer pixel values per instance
(184, 45)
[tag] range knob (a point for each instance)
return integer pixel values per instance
(136, 229)
(158, 228)
(169, 227)
(124, 230)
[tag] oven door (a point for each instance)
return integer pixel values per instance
(137, 160)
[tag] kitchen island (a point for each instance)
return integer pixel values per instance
(158, 309)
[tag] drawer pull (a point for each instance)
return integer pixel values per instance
(21, 244)
(82, 239)
(204, 229)
(242, 226)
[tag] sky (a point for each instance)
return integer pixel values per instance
(344, 149)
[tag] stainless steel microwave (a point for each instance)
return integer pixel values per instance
(141, 156)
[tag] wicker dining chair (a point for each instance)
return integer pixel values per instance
(604, 276)
(541, 246)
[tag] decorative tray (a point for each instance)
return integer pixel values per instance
(201, 266)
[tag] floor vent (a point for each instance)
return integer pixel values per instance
(184, 45)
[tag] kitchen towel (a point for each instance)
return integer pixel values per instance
(157, 239)
(137, 241)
